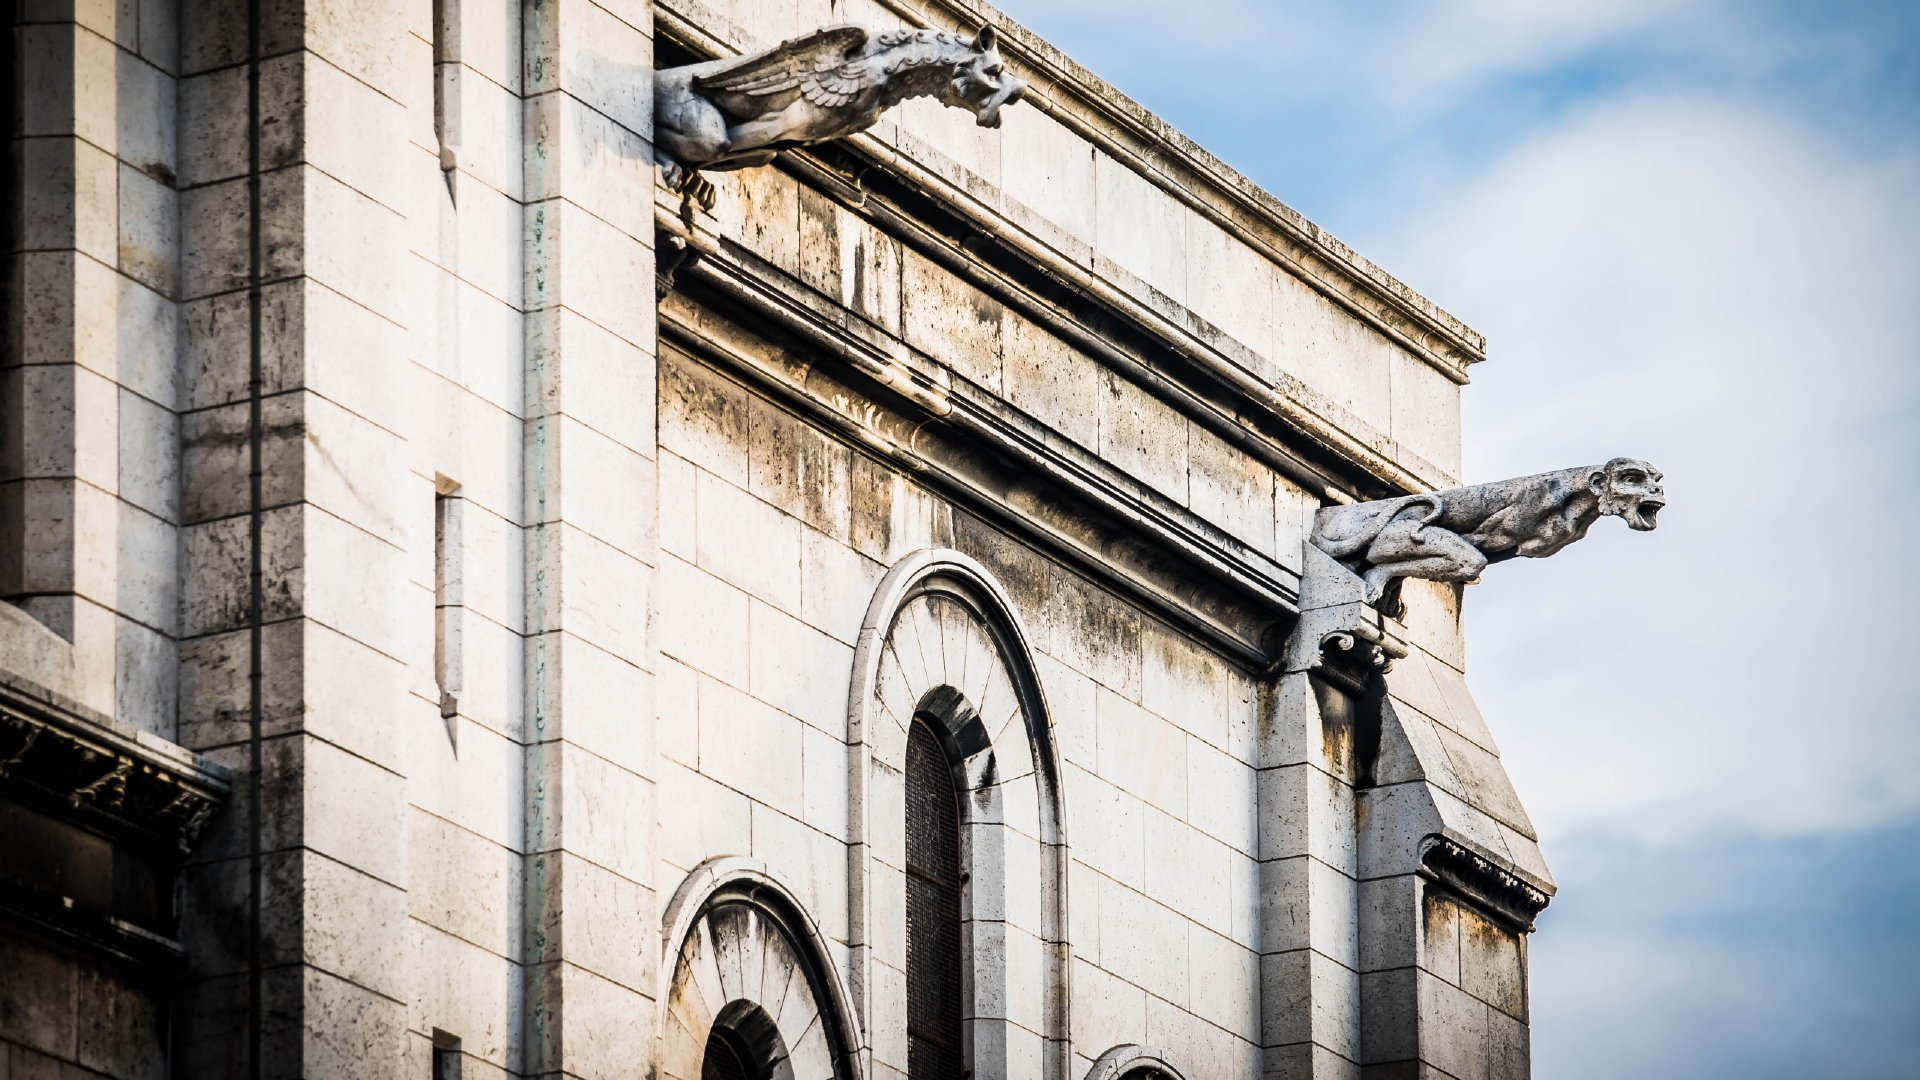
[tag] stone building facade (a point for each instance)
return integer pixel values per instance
(473, 611)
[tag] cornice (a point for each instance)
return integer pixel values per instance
(1122, 128)
(127, 785)
(1172, 354)
(1483, 883)
(884, 397)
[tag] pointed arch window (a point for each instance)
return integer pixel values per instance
(934, 972)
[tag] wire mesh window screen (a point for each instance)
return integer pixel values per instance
(722, 1061)
(933, 910)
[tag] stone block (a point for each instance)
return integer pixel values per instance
(751, 747)
(149, 231)
(1389, 923)
(1188, 871)
(366, 41)
(795, 467)
(1222, 797)
(1453, 1029)
(1117, 847)
(1142, 942)
(146, 678)
(592, 267)
(703, 417)
(595, 377)
(1093, 632)
(1231, 489)
(952, 321)
(1055, 177)
(1140, 226)
(1142, 436)
(480, 789)
(348, 1028)
(703, 621)
(464, 988)
(699, 819)
(1343, 360)
(1225, 987)
(591, 467)
(811, 863)
(39, 996)
(1509, 1049)
(1390, 1001)
(1107, 1010)
(1425, 422)
(124, 1028)
(462, 883)
(1493, 964)
(1184, 683)
(824, 782)
(748, 543)
(1050, 380)
(1303, 811)
(606, 923)
(835, 583)
(71, 198)
(1196, 1044)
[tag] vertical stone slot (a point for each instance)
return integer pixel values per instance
(448, 510)
(446, 1056)
(446, 88)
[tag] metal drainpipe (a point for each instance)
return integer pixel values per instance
(255, 586)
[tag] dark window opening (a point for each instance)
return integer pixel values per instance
(723, 1060)
(934, 1047)
(446, 1056)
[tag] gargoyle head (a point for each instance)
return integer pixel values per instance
(1630, 489)
(981, 83)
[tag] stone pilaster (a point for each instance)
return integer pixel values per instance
(590, 551)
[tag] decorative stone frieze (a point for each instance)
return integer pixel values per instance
(1453, 535)
(741, 112)
(109, 780)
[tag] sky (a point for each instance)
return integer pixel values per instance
(1691, 232)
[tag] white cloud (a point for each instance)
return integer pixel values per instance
(1728, 293)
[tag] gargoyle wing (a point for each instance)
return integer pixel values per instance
(816, 64)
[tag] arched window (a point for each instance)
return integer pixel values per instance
(724, 1059)
(934, 1043)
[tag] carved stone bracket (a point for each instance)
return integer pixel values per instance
(1489, 888)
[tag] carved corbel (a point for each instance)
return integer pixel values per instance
(1486, 887)
(741, 112)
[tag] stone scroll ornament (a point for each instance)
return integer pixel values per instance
(741, 112)
(1453, 535)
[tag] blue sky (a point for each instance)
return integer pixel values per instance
(1691, 232)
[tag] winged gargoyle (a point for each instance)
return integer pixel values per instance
(1453, 535)
(742, 112)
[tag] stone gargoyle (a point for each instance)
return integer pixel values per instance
(1453, 535)
(742, 112)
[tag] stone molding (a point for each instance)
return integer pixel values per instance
(1135, 1061)
(1482, 883)
(758, 887)
(1062, 499)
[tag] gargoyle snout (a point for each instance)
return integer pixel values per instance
(1011, 90)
